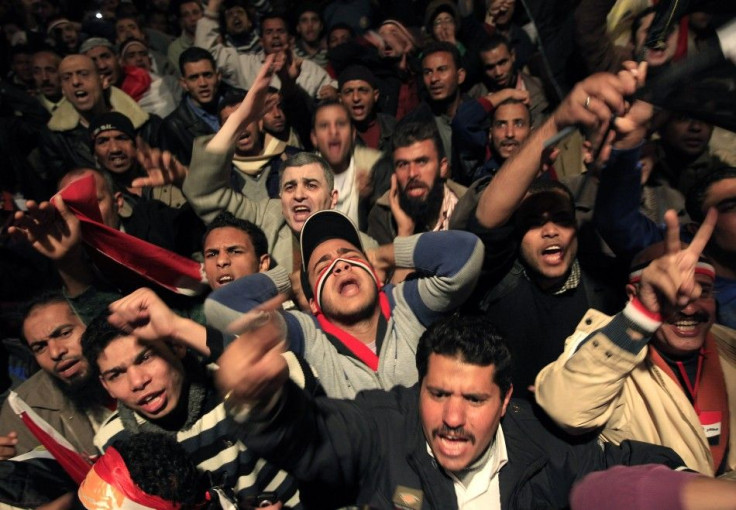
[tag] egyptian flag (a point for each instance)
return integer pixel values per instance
(126, 255)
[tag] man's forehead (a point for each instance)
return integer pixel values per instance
(498, 53)
(312, 171)
(511, 111)
(335, 245)
(49, 316)
(227, 234)
(354, 84)
(99, 51)
(76, 62)
(331, 112)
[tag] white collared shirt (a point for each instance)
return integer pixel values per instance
(483, 492)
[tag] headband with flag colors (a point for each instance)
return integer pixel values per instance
(326, 272)
(108, 485)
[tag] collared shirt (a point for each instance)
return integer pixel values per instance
(50, 105)
(482, 491)
(210, 119)
(449, 201)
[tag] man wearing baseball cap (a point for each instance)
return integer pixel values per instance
(363, 335)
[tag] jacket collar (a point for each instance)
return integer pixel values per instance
(66, 117)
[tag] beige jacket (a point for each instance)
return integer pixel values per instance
(603, 386)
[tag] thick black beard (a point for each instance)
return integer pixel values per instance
(84, 395)
(424, 212)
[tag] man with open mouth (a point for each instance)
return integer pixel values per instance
(660, 371)
(360, 334)
(162, 387)
(456, 439)
(64, 393)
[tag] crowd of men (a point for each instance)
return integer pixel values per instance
(354, 253)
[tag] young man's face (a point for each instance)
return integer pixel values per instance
(349, 292)
(201, 81)
(106, 62)
(418, 169)
(460, 407)
(686, 135)
(441, 76)
(146, 377)
(360, 99)
(337, 37)
(550, 244)
(80, 83)
(136, 54)
(333, 135)
(309, 27)
(115, 151)
(304, 191)
(510, 127)
(237, 21)
(53, 333)
(126, 28)
(45, 68)
(189, 14)
(229, 255)
(275, 35)
(498, 64)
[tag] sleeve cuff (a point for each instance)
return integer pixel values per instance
(637, 313)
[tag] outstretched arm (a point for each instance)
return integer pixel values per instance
(147, 317)
(594, 368)
(591, 104)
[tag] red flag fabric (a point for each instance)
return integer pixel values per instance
(158, 265)
(73, 463)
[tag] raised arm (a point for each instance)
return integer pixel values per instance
(54, 231)
(207, 185)
(580, 390)
(451, 260)
(591, 104)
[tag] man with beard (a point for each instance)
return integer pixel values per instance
(421, 197)
(660, 371)
(62, 392)
(361, 334)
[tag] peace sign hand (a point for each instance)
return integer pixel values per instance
(670, 279)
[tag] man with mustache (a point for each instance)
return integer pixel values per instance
(660, 371)
(455, 439)
(421, 197)
(45, 67)
(62, 392)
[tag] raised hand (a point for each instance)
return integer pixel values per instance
(162, 167)
(252, 368)
(404, 223)
(52, 230)
(670, 279)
